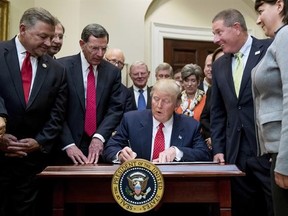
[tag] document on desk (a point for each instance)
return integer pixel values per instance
(185, 163)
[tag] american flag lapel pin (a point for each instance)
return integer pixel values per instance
(257, 52)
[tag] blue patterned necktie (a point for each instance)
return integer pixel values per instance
(141, 100)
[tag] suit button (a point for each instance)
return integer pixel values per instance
(239, 107)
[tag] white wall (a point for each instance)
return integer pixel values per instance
(129, 22)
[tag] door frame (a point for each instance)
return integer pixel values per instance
(160, 31)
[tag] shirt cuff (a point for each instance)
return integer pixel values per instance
(179, 154)
(63, 149)
(116, 160)
(99, 136)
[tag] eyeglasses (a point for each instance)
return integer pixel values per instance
(116, 63)
(95, 49)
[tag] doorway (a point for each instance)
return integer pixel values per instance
(181, 52)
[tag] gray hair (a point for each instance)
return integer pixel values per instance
(230, 17)
(164, 66)
(96, 30)
(191, 69)
(137, 63)
(35, 14)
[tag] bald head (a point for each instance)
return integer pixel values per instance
(116, 57)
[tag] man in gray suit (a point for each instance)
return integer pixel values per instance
(232, 115)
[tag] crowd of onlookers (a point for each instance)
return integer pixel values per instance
(75, 110)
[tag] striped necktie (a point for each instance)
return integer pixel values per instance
(90, 114)
(26, 74)
(159, 142)
(238, 72)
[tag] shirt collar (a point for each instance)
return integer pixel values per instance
(136, 88)
(245, 49)
(166, 124)
(20, 48)
(85, 64)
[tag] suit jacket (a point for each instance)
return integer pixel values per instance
(137, 127)
(269, 86)
(126, 98)
(205, 116)
(134, 103)
(42, 118)
(108, 100)
(232, 118)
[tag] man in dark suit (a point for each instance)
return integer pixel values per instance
(116, 57)
(57, 40)
(80, 145)
(139, 75)
(232, 115)
(34, 115)
(137, 131)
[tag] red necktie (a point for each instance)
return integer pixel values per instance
(26, 73)
(159, 142)
(90, 114)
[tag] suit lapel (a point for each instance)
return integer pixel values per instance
(14, 70)
(76, 75)
(104, 77)
(134, 107)
(146, 131)
(253, 59)
(177, 132)
(228, 72)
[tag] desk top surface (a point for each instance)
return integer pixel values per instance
(167, 170)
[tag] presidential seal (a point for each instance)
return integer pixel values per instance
(138, 185)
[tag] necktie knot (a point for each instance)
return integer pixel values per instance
(238, 55)
(160, 126)
(141, 91)
(91, 68)
(28, 54)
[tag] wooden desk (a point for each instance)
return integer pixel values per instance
(196, 183)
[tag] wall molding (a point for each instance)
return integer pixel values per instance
(161, 31)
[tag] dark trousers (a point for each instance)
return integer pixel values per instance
(251, 194)
(280, 195)
(18, 185)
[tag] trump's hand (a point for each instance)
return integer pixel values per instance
(168, 155)
(219, 158)
(126, 154)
